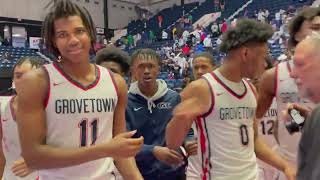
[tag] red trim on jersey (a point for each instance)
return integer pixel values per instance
(203, 148)
(289, 67)
(276, 77)
(252, 89)
(229, 89)
(114, 82)
(76, 83)
(46, 100)
(13, 114)
(212, 99)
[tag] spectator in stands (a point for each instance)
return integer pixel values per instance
(130, 41)
(202, 35)
(136, 39)
(160, 20)
(6, 57)
(152, 37)
(176, 70)
(164, 35)
(224, 27)
(171, 75)
(150, 106)
(174, 31)
(185, 35)
(198, 48)
(145, 37)
(190, 18)
(207, 43)
(215, 29)
(6, 42)
(266, 15)
(114, 59)
(278, 19)
(186, 50)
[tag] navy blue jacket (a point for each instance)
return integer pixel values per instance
(152, 127)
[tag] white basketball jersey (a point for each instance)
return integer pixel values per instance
(287, 92)
(266, 131)
(194, 162)
(78, 116)
(226, 132)
(10, 141)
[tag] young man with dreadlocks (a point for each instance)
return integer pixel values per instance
(223, 104)
(71, 113)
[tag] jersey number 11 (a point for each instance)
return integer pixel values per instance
(83, 125)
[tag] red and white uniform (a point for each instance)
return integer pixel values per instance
(78, 116)
(194, 168)
(10, 140)
(266, 131)
(226, 132)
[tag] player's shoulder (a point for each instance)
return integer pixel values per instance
(198, 85)
(197, 88)
(4, 100)
(33, 82)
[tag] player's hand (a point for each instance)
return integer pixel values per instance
(123, 145)
(167, 156)
(20, 168)
(191, 147)
(290, 173)
(304, 111)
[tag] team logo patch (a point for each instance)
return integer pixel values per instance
(164, 105)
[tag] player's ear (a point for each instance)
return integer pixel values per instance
(244, 53)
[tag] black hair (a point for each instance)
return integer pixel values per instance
(114, 54)
(63, 9)
(34, 61)
(145, 54)
(295, 24)
(205, 55)
(246, 31)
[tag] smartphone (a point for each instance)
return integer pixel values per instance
(296, 116)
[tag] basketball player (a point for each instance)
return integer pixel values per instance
(224, 105)
(115, 59)
(71, 113)
(276, 83)
(13, 166)
(202, 63)
(266, 130)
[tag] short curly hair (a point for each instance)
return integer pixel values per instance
(295, 24)
(206, 55)
(114, 54)
(246, 31)
(145, 54)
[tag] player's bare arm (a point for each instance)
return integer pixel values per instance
(195, 101)
(32, 130)
(2, 158)
(126, 166)
(266, 154)
(266, 92)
